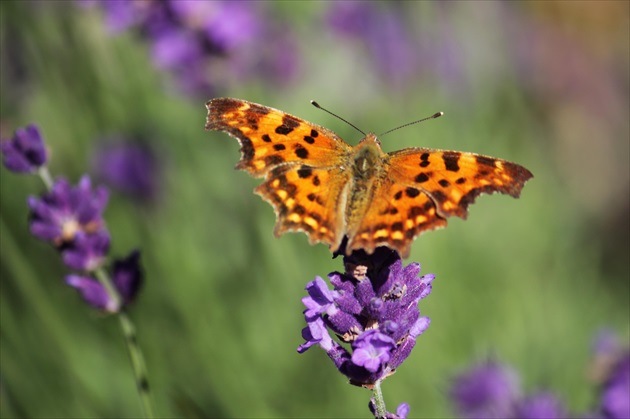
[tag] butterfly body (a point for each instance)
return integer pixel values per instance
(319, 184)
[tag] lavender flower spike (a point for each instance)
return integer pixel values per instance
(373, 309)
(25, 152)
(87, 252)
(58, 215)
(615, 400)
(488, 390)
(130, 167)
(127, 279)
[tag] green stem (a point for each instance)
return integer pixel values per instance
(379, 402)
(129, 332)
(44, 174)
(137, 361)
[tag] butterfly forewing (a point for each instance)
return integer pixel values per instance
(270, 137)
(454, 179)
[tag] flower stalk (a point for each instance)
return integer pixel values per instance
(70, 218)
(379, 401)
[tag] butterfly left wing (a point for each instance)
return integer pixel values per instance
(454, 179)
(422, 187)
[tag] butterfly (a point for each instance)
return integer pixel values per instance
(321, 185)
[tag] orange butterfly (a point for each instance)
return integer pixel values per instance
(319, 184)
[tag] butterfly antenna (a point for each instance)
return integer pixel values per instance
(336, 116)
(436, 115)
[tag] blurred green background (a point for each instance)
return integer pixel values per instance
(543, 84)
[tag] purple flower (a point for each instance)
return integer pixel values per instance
(233, 24)
(87, 252)
(174, 49)
(615, 397)
(121, 14)
(372, 350)
(382, 30)
(606, 343)
(316, 333)
(25, 152)
(207, 43)
(129, 167)
(540, 406)
(126, 276)
(64, 211)
(489, 390)
(374, 308)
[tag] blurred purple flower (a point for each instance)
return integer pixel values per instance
(174, 49)
(92, 292)
(87, 252)
(489, 390)
(64, 211)
(606, 342)
(120, 14)
(382, 29)
(374, 306)
(615, 397)
(25, 152)
(540, 406)
(233, 24)
(126, 276)
(192, 38)
(129, 167)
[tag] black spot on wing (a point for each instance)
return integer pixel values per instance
(305, 172)
(301, 152)
(252, 123)
(289, 123)
(488, 161)
(273, 160)
(279, 147)
(439, 196)
(424, 160)
(266, 138)
(247, 149)
(412, 192)
(451, 161)
(421, 178)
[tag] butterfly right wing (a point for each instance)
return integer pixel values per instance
(303, 166)
(270, 138)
